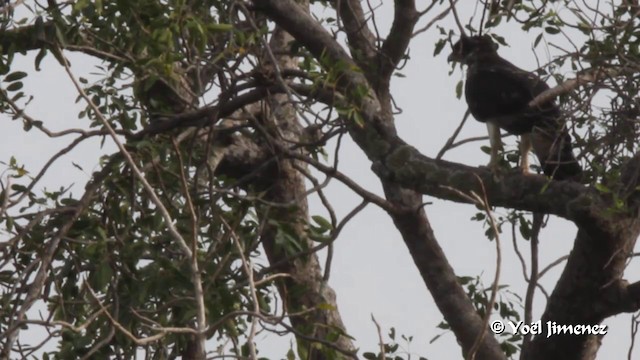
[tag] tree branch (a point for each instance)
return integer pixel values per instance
(570, 200)
(587, 77)
(358, 33)
(37, 36)
(395, 46)
(629, 181)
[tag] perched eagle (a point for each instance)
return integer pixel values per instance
(498, 93)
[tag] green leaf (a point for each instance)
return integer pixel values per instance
(18, 96)
(18, 188)
(15, 86)
(370, 356)
(602, 188)
(326, 306)
(79, 5)
(323, 224)
(291, 355)
(439, 46)
(102, 276)
(358, 119)
(525, 229)
(17, 75)
(41, 54)
(552, 30)
(220, 27)
(435, 338)
(537, 41)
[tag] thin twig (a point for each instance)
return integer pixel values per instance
(533, 276)
(383, 354)
(162, 332)
(452, 4)
(333, 172)
(438, 17)
(551, 265)
(195, 268)
(523, 263)
(448, 145)
(635, 323)
(248, 269)
(484, 202)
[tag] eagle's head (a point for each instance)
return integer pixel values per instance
(470, 48)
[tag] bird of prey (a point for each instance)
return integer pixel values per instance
(498, 93)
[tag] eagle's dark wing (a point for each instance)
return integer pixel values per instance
(499, 92)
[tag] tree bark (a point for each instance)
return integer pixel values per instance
(308, 299)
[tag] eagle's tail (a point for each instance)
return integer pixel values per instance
(553, 149)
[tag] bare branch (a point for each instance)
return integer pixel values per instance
(449, 144)
(351, 184)
(452, 5)
(395, 46)
(533, 276)
(383, 354)
(248, 269)
(360, 37)
(483, 202)
(438, 17)
(569, 85)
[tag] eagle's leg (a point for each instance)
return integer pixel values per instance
(525, 149)
(495, 141)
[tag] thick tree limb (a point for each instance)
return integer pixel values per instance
(570, 200)
(211, 114)
(590, 288)
(395, 46)
(633, 295)
(316, 39)
(588, 291)
(305, 290)
(38, 36)
(437, 273)
(30, 37)
(358, 33)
